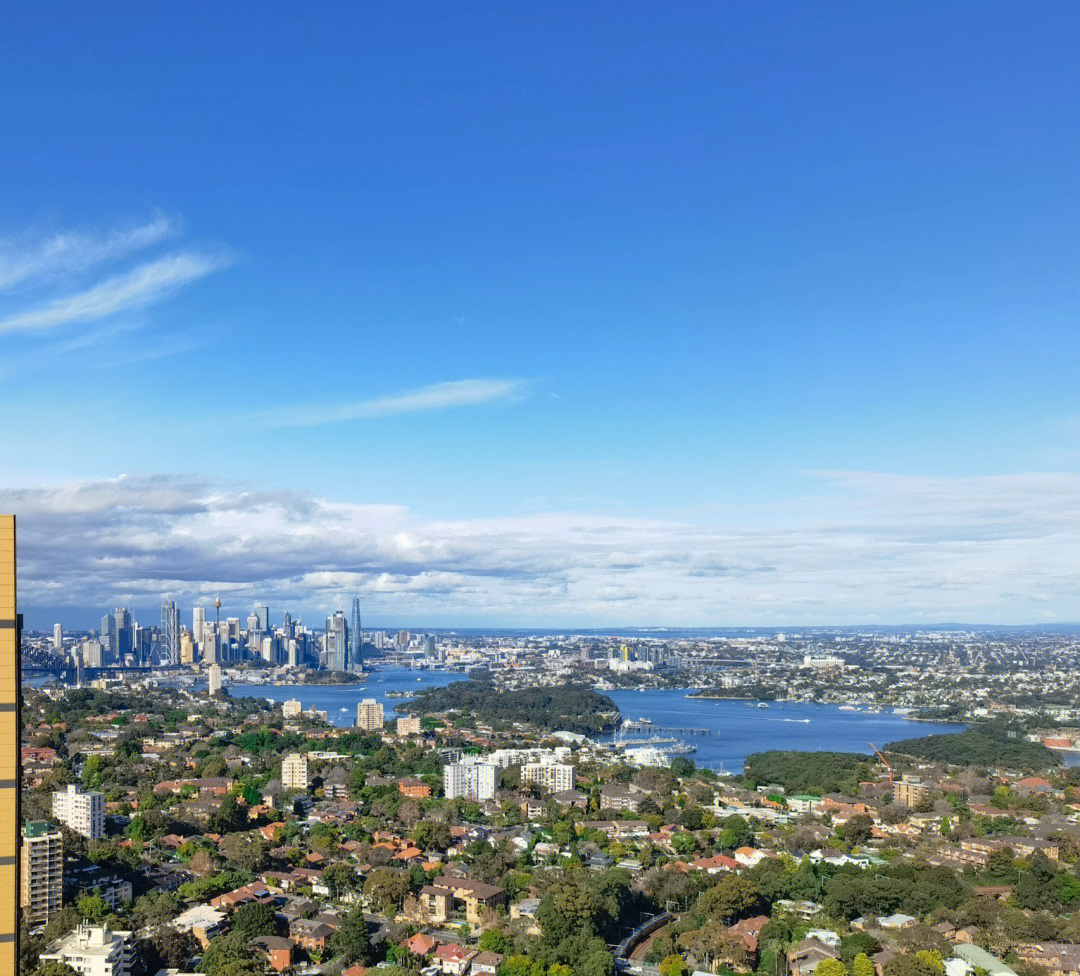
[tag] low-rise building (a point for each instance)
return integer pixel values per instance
(440, 899)
(414, 788)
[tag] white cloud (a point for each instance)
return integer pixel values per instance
(76, 251)
(124, 292)
(871, 548)
(438, 396)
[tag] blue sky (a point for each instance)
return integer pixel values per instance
(750, 274)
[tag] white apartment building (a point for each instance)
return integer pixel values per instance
(505, 758)
(549, 777)
(93, 950)
(294, 772)
(369, 715)
(83, 812)
(472, 781)
(42, 875)
(292, 708)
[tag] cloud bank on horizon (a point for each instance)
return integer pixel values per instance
(870, 548)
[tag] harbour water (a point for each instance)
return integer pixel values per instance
(729, 729)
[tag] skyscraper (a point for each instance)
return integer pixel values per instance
(58, 637)
(337, 642)
(108, 639)
(187, 648)
(170, 631)
(10, 626)
(118, 635)
(263, 613)
(198, 623)
(357, 637)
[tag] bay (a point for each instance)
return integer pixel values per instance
(735, 728)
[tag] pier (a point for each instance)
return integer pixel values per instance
(629, 726)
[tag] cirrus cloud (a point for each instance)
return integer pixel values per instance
(437, 396)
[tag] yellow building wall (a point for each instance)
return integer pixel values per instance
(9, 750)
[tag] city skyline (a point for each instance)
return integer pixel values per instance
(545, 318)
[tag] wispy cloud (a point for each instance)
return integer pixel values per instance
(130, 290)
(76, 251)
(438, 396)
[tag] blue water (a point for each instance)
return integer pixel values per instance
(339, 701)
(736, 728)
(739, 728)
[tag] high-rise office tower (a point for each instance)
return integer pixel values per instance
(187, 647)
(210, 647)
(92, 653)
(254, 634)
(337, 642)
(58, 637)
(144, 642)
(42, 882)
(117, 635)
(198, 624)
(125, 633)
(10, 679)
(170, 631)
(263, 613)
(357, 637)
(108, 639)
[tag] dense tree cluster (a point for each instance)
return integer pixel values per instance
(984, 745)
(570, 707)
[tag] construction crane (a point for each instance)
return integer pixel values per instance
(881, 756)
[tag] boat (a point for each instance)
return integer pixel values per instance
(762, 704)
(680, 749)
(848, 708)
